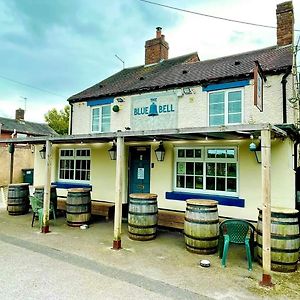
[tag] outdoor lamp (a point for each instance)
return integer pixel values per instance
(160, 152)
(43, 152)
(113, 151)
(11, 148)
(257, 150)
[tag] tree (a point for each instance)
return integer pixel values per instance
(59, 120)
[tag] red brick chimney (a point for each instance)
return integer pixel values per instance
(285, 23)
(156, 49)
(20, 114)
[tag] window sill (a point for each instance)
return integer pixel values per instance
(222, 200)
(70, 185)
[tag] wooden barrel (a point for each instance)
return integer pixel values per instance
(142, 216)
(284, 239)
(201, 226)
(18, 199)
(78, 207)
(39, 193)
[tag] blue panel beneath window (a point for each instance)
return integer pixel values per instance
(70, 185)
(226, 85)
(100, 101)
(222, 200)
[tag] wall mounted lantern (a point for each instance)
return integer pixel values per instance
(113, 151)
(43, 152)
(257, 150)
(160, 152)
(11, 148)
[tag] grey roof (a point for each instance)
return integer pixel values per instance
(178, 72)
(25, 127)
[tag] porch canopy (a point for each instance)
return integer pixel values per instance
(231, 132)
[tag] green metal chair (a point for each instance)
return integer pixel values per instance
(37, 209)
(237, 232)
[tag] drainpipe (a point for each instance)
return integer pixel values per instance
(71, 119)
(11, 151)
(283, 82)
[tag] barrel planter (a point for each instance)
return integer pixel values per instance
(78, 207)
(201, 226)
(18, 199)
(142, 216)
(284, 239)
(39, 193)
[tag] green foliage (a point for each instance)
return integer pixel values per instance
(59, 120)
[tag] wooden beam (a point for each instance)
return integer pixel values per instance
(118, 194)
(266, 206)
(47, 189)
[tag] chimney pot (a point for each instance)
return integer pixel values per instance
(285, 23)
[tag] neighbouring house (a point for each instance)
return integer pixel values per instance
(23, 153)
(212, 119)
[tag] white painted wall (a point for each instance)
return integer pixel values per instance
(193, 108)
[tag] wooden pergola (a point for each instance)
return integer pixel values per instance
(231, 132)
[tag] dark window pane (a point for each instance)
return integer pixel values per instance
(221, 169)
(231, 185)
(220, 184)
(190, 182)
(231, 170)
(88, 164)
(190, 168)
(88, 175)
(180, 152)
(211, 153)
(210, 169)
(221, 153)
(181, 167)
(197, 152)
(230, 153)
(199, 182)
(189, 153)
(72, 174)
(180, 181)
(77, 175)
(198, 168)
(210, 183)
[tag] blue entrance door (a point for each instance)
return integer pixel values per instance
(139, 170)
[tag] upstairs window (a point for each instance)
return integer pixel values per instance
(101, 118)
(225, 107)
(74, 165)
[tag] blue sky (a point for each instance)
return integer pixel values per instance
(65, 46)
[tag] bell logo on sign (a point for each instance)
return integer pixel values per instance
(154, 109)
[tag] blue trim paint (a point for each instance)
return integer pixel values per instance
(222, 200)
(226, 85)
(69, 185)
(100, 101)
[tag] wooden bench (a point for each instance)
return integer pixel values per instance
(171, 218)
(99, 208)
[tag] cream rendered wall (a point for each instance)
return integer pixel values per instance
(282, 178)
(81, 122)
(40, 166)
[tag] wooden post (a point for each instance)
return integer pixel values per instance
(47, 189)
(11, 170)
(118, 194)
(266, 206)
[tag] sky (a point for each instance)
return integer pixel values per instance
(52, 49)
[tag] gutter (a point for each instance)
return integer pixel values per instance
(283, 82)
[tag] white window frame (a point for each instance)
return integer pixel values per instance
(100, 124)
(204, 159)
(74, 158)
(226, 91)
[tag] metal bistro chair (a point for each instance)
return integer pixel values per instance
(237, 232)
(37, 209)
